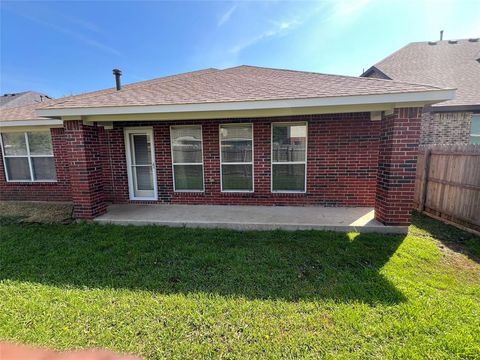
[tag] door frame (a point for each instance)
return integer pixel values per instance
(142, 131)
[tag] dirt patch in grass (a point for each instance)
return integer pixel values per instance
(457, 246)
(36, 212)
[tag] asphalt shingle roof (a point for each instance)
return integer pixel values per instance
(443, 63)
(25, 112)
(242, 83)
(21, 98)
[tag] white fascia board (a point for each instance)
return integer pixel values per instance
(38, 122)
(428, 97)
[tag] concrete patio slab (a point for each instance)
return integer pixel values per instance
(249, 217)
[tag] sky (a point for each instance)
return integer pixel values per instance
(68, 47)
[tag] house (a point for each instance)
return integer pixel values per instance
(243, 136)
(22, 98)
(447, 63)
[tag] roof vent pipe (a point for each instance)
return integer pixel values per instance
(117, 74)
(441, 35)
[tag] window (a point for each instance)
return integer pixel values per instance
(289, 155)
(236, 157)
(475, 130)
(28, 156)
(187, 158)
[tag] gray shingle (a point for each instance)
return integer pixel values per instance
(444, 63)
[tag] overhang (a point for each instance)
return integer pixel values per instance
(304, 106)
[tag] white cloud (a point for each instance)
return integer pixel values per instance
(226, 16)
(278, 28)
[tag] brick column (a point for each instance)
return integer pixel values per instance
(85, 167)
(397, 161)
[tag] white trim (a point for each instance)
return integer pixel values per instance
(141, 131)
(430, 96)
(39, 122)
(288, 162)
(29, 159)
(236, 163)
(195, 164)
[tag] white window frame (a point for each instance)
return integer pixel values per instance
(174, 163)
(236, 163)
(272, 163)
(141, 131)
(471, 133)
(29, 158)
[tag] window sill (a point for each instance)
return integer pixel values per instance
(29, 182)
(289, 193)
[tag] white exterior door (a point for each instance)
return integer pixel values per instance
(142, 179)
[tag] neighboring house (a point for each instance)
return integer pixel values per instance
(238, 136)
(448, 63)
(24, 98)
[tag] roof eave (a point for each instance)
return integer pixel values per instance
(419, 97)
(30, 123)
(453, 108)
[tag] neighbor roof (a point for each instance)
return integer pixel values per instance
(25, 112)
(21, 98)
(25, 116)
(237, 84)
(448, 63)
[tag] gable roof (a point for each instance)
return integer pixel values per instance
(22, 98)
(237, 85)
(26, 115)
(25, 112)
(447, 63)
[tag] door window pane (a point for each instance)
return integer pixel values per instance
(188, 177)
(44, 168)
(14, 144)
(17, 168)
(40, 143)
(237, 177)
(143, 178)
(186, 144)
(142, 152)
(288, 177)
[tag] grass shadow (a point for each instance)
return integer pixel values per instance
(450, 236)
(292, 266)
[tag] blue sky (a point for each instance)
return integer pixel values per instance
(67, 47)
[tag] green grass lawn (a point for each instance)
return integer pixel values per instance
(186, 293)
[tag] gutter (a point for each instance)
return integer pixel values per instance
(38, 122)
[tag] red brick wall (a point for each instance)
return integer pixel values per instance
(341, 167)
(86, 155)
(397, 164)
(38, 191)
(346, 152)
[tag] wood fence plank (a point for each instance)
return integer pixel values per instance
(447, 183)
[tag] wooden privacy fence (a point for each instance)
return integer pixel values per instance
(447, 184)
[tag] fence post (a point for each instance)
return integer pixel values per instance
(426, 170)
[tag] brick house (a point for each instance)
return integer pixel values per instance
(243, 136)
(447, 63)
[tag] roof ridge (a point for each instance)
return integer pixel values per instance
(135, 85)
(343, 76)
